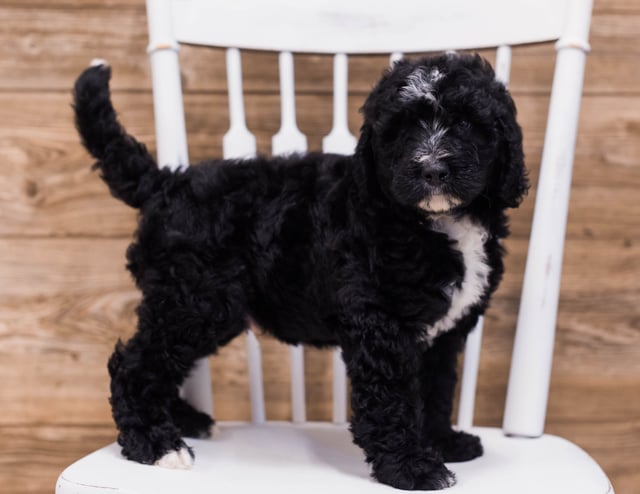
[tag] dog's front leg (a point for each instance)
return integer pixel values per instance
(383, 366)
(438, 377)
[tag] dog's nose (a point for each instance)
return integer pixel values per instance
(436, 173)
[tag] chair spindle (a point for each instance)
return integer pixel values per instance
(340, 140)
(238, 142)
(289, 138)
(256, 386)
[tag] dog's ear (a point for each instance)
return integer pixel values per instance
(382, 105)
(511, 178)
(364, 148)
(364, 170)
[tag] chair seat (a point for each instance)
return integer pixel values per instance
(318, 457)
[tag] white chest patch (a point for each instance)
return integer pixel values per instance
(469, 240)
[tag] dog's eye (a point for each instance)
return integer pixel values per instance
(465, 124)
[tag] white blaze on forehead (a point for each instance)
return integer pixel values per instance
(436, 134)
(431, 148)
(420, 85)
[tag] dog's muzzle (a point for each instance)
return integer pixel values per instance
(439, 203)
(436, 173)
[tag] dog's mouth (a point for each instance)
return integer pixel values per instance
(439, 203)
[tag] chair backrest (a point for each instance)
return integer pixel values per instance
(343, 28)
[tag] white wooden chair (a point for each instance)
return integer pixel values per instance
(313, 457)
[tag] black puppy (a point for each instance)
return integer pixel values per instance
(391, 253)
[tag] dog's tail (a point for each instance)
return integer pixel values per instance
(125, 164)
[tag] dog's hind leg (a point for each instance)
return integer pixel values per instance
(144, 384)
(191, 422)
(175, 329)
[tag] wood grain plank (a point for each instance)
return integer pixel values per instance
(609, 6)
(64, 301)
(33, 456)
(52, 383)
(45, 267)
(62, 313)
(587, 360)
(616, 6)
(599, 5)
(591, 266)
(59, 41)
(48, 267)
(68, 320)
(47, 188)
(82, 4)
(36, 41)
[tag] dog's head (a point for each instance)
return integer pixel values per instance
(441, 132)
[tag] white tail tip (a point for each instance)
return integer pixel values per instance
(99, 62)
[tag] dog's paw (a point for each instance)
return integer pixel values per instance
(460, 446)
(214, 431)
(192, 422)
(181, 459)
(415, 474)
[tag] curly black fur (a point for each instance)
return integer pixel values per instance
(324, 250)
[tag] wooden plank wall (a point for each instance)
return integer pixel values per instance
(65, 297)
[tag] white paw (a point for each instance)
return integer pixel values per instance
(176, 460)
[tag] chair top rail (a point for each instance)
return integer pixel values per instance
(364, 27)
